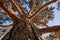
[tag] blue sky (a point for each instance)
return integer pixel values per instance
(56, 20)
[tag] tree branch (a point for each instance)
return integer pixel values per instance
(50, 29)
(18, 7)
(8, 10)
(6, 25)
(31, 9)
(42, 23)
(41, 17)
(40, 9)
(3, 13)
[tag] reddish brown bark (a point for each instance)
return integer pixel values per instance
(9, 11)
(18, 7)
(50, 29)
(22, 31)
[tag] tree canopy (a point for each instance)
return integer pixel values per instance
(45, 15)
(35, 11)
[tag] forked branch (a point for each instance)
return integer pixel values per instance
(40, 9)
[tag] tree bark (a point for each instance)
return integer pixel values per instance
(23, 31)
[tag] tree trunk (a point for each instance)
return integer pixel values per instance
(23, 31)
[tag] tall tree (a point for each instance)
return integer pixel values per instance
(23, 24)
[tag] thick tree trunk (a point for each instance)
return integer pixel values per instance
(23, 31)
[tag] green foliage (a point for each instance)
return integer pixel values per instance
(58, 4)
(51, 36)
(47, 13)
(4, 18)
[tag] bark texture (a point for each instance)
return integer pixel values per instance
(23, 31)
